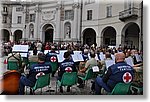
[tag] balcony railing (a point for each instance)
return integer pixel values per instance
(4, 12)
(129, 13)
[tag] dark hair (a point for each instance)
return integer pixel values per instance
(41, 56)
(92, 54)
(66, 54)
(108, 55)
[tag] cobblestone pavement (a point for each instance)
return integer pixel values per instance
(74, 89)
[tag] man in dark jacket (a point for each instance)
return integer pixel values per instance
(30, 79)
(52, 58)
(119, 72)
(67, 65)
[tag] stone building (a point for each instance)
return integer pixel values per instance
(101, 22)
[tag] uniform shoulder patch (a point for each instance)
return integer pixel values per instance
(53, 59)
(127, 77)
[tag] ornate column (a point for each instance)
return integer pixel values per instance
(58, 23)
(76, 21)
(118, 40)
(25, 11)
(37, 22)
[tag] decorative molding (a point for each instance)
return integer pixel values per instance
(26, 10)
(48, 15)
(59, 7)
(75, 5)
(38, 9)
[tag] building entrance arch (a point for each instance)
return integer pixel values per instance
(5, 35)
(89, 36)
(48, 31)
(131, 36)
(109, 36)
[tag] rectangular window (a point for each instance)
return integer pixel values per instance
(69, 14)
(89, 15)
(32, 17)
(4, 19)
(19, 20)
(128, 4)
(4, 9)
(109, 11)
(18, 9)
(89, 2)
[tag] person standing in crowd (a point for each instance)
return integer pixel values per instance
(66, 66)
(137, 59)
(115, 74)
(47, 47)
(35, 50)
(85, 55)
(39, 46)
(30, 78)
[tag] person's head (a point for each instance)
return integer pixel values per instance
(41, 57)
(67, 55)
(52, 47)
(92, 54)
(128, 53)
(107, 55)
(86, 51)
(119, 57)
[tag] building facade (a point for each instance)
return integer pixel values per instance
(101, 22)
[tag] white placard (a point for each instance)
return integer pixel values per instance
(96, 57)
(102, 57)
(31, 52)
(24, 54)
(20, 48)
(129, 61)
(46, 51)
(95, 69)
(138, 58)
(60, 55)
(109, 63)
(77, 56)
(113, 57)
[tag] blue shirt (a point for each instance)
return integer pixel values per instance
(51, 57)
(119, 72)
(36, 68)
(85, 57)
(67, 64)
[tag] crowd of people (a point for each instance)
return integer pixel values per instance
(110, 75)
(40, 46)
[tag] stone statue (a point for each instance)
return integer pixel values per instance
(31, 32)
(68, 31)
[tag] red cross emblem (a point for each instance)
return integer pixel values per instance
(127, 77)
(53, 59)
(68, 69)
